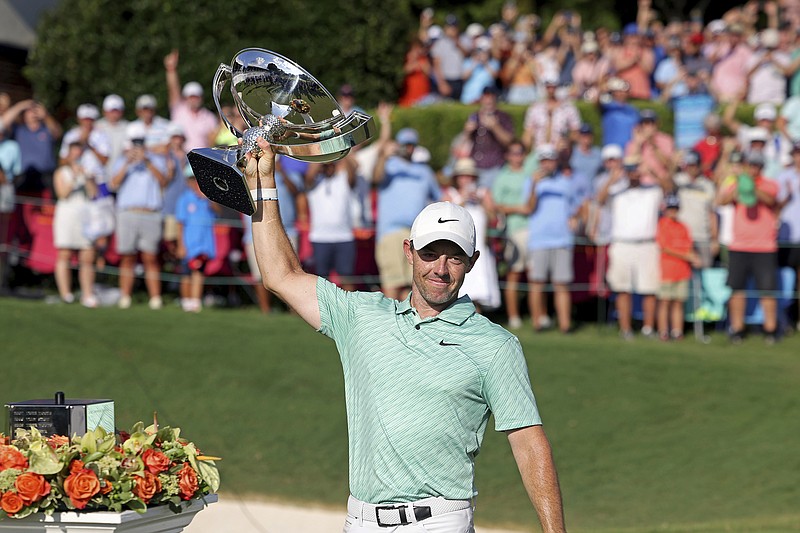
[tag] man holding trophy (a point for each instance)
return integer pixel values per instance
(422, 375)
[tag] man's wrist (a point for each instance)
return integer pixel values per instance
(264, 194)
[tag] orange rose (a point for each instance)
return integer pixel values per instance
(187, 481)
(80, 486)
(11, 457)
(11, 503)
(155, 461)
(106, 486)
(146, 487)
(75, 465)
(57, 441)
(31, 487)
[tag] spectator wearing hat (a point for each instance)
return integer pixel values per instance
(654, 148)
(508, 199)
(776, 146)
(585, 160)
(693, 58)
(598, 216)
(552, 206)
(346, 97)
(767, 70)
(138, 177)
(96, 144)
(753, 249)
(479, 71)
(729, 73)
(590, 69)
(404, 189)
(618, 116)
(633, 254)
(114, 125)
(696, 194)
(634, 63)
(789, 209)
(176, 169)
(676, 262)
(186, 106)
(156, 127)
(448, 60)
(481, 284)
(550, 119)
(490, 131)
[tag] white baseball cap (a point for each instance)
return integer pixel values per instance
(611, 151)
(192, 89)
(175, 129)
(146, 101)
(765, 111)
(135, 130)
(87, 111)
(444, 221)
(113, 102)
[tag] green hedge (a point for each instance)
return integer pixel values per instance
(439, 124)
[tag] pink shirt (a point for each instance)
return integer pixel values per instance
(755, 229)
(586, 73)
(651, 164)
(197, 125)
(729, 76)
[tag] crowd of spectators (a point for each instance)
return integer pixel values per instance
(634, 191)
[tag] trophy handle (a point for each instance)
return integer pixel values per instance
(334, 148)
(222, 76)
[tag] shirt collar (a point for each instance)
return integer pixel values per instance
(456, 313)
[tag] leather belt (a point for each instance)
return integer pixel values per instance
(403, 514)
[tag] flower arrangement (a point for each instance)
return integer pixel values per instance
(100, 472)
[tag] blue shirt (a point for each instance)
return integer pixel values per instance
(197, 218)
(140, 188)
(618, 122)
(557, 200)
(37, 148)
(690, 111)
(586, 167)
(405, 190)
(478, 80)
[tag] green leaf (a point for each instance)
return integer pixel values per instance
(43, 460)
(210, 474)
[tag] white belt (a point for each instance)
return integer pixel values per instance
(402, 514)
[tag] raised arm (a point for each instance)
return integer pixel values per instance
(280, 268)
(173, 81)
(534, 459)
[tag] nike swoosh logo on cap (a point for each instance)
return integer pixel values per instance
(443, 220)
(442, 343)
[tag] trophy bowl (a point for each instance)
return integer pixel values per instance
(285, 105)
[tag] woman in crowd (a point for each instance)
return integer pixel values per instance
(74, 187)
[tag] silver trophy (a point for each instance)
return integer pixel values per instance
(285, 105)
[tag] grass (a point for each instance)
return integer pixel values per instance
(648, 437)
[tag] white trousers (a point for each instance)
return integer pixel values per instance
(454, 522)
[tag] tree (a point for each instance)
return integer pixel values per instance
(90, 48)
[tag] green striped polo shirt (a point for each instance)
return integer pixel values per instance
(419, 392)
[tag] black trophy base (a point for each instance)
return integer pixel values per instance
(219, 178)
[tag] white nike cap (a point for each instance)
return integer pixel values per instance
(444, 221)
